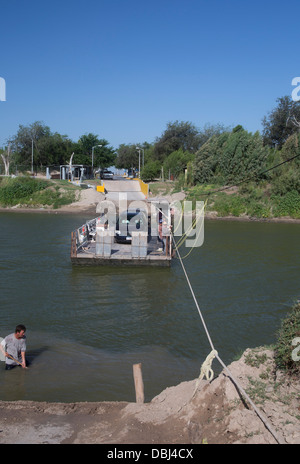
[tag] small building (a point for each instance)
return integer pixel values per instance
(65, 172)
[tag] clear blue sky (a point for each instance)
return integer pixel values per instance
(123, 69)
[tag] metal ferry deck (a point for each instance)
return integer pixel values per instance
(92, 245)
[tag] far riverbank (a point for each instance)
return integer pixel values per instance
(90, 209)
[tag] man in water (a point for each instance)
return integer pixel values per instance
(14, 346)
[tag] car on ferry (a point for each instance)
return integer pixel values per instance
(130, 221)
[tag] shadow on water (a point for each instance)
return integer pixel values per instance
(33, 355)
(117, 270)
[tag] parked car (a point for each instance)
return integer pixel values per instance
(130, 221)
(106, 174)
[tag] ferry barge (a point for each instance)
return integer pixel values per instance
(99, 243)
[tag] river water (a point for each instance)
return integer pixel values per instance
(87, 326)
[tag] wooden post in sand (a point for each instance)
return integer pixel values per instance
(138, 383)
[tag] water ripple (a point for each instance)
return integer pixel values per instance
(87, 326)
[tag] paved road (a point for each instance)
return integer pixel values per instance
(124, 186)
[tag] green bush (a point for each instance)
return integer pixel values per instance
(14, 190)
(177, 162)
(287, 205)
(52, 197)
(34, 192)
(227, 205)
(150, 171)
(289, 331)
(286, 181)
(259, 210)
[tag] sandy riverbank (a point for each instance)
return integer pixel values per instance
(213, 413)
(89, 199)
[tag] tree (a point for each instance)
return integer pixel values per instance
(177, 162)
(104, 156)
(286, 177)
(85, 144)
(148, 151)
(230, 157)
(6, 158)
(244, 155)
(206, 164)
(210, 130)
(54, 149)
(27, 141)
(178, 135)
(47, 148)
(128, 157)
(150, 171)
(281, 122)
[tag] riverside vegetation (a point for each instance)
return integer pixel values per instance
(239, 173)
(289, 332)
(25, 191)
(255, 200)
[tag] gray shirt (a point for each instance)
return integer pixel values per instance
(14, 347)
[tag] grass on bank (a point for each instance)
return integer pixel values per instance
(287, 349)
(31, 192)
(257, 201)
(254, 200)
(260, 201)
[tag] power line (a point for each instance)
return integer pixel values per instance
(252, 177)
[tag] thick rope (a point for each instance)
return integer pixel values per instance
(206, 367)
(206, 370)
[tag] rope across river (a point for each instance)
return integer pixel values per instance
(206, 369)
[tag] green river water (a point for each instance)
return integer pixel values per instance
(87, 326)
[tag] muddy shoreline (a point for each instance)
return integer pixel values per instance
(193, 412)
